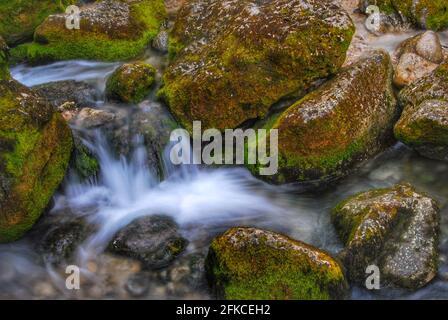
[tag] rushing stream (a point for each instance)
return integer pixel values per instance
(203, 201)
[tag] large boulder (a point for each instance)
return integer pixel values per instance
(424, 122)
(248, 263)
(431, 15)
(110, 30)
(395, 229)
(35, 148)
(131, 82)
(19, 18)
(154, 240)
(232, 60)
(348, 119)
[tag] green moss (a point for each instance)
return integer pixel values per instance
(19, 18)
(265, 272)
(35, 163)
(131, 82)
(432, 13)
(235, 78)
(54, 42)
(85, 165)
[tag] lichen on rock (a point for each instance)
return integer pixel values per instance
(395, 229)
(424, 122)
(131, 82)
(232, 60)
(347, 120)
(110, 30)
(249, 263)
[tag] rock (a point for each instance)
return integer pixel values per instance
(424, 122)
(429, 47)
(4, 55)
(153, 240)
(410, 68)
(61, 240)
(248, 263)
(160, 43)
(395, 229)
(110, 30)
(138, 284)
(232, 60)
(90, 118)
(58, 93)
(153, 123)
(331, 130)
(84, 162)
(19, 19)
(35, 148)
(417, 57)
(431, 15)
(131, 82)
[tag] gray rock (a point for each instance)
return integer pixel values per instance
(153, 240)
(90, 118)
(424, 122)
(160, 42)
(410, 68)
(396, 229)
(60, 92)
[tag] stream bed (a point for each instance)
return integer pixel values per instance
(204, 202)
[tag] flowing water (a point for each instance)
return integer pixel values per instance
(204, 201)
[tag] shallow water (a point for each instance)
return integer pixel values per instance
(203, 201)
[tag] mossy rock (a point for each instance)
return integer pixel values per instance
(102, 35)
(131, 82)
(427, 14)
(331, 130)
(248, 263)
(83, 161)
(231, 61)
(35, 148)
(4, 55)
(424, 122)
(396, 229)
(19, 18)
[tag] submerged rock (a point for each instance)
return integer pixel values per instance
(417, 57)
(431, 15)
(395, 229)
(82, 94)
(153, 240)
(248, 263)
(131, 82)
(35, 148)
(110, 30)
(19, 19)
(347, 120)
(232, 60)
(424, 122)
(60, 242)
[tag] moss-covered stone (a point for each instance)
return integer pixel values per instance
(131, 82)
(427, 14)
(248, 263)
(395, 229)
(83, 160)
(348, 119)
(4, 55)
(424, 122)
(232, 60)
(35, 148)
(110, 30)
(19, 18)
